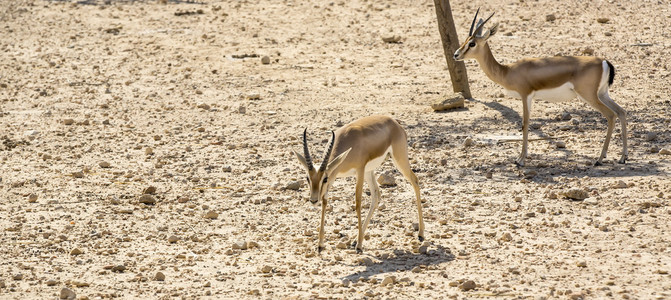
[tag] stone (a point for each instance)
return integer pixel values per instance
(68, 121)
(588, 51)
(119, 268)
(104, 164)
(507, 237)
(52, 282)
(581, 264)
(386, 179)
(252, 245)
(78, 174)
(620, 185)
(147, 199)
(366, 261)
(665, 151)
(452, 102)
(242, 109)
(341, 245)
(565, 116)
(467, 285)
(239, 245)
(265, 60)
(294, 185)
(204, 106)
(603, 20)
(416, 269)
(591, 201)
(267, 269)
(150, 190)
(148, 151)
(388, 280)
(576, 194)
(345, 282)
(391, 38)
(76, 251)
(211, 215)
(173, 239)
(560, 144)
(67, 293)
(32, 198)
(18, 276)
(550, 17)
(468, 142)
(650, 136)
(253, 96)
(159, 276)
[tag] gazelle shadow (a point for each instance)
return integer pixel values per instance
(403, 261)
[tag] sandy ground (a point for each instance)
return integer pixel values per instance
(101, 100)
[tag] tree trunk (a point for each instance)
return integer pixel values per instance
(448, 34)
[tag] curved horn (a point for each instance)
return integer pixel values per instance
(470, 31)
(306, 152)
(325, 162)
(483, 23)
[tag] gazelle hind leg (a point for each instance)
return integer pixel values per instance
(622, 115)
(357, 198)
(375, 198)
(399, 155)
(526, 112)
(594, 101)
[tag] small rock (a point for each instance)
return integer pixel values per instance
(68, 121)
(366, 261)
(507, 237)
(560, 144)
(239, 245)
(341, 245)
(423, 249)
(211, 215)
(78, 174)
(227, 169)
(242, 109)
(17, 276)
(565, 116)
(252, 245)
(265, 60)
(665, 151)
(416, 269)
(620, 185)
(119, 268)
(294, 185)
(266, 269)
(204, 106)
(32, 198)
(391, 38)
(453, 283)
(52, 282)
(369, 293)
(576, 194)
(582, 264)
(468, 142)
(104, 164)
(67, 293)
(452, 102)
(388, 280)
(588, 51)
(467, 285)
(550, 17)
(386, 179)
(159, 276)
(173, 239)
(148, 151)
(591, 201)
(650, 136)
(253, 96)
(150, 190)
(76, 251)
(147, 199)
(345, 282)
(603, 20)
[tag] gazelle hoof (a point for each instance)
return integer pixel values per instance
(622, 160)
(420, 238)
(359, 251)
(319, 249)
(354, 244)
(519, 162)
(598, 163)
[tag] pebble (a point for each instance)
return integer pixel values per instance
(150, 190)
(265, 60)
(118, 268)
(468, 142)
(211, 215)
(386, 180)
(507, 237)
(239, 245)
(467, 285)
(391, 38)
(78, 174)
(52, 282)
(603, 20)
(17, 277)
(252, 244)
(388, 280)
(242, 109)
(665, 151)
(159, 276)
(588, 51)
(67, 293)
(346, 282)
(576, 194)
(68, 121)
(104, 164)
(294, 185)
(227, 169)
(452, 102)
(591, 201)
(147, 199)
(650, 136)
(416, 269)
(148, 151)
(560, 144)
(620, 185)
(32, 198)
(76, 251)
(341, 245)
(204, 106)
(550, 17)
(266, 269)
(366, 261)
(253, 96)
(173, 239)
(582, 264)
(565, 116)
(369, 293)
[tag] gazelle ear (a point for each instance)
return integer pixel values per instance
(335, 163)
(491, 31)
(301, 159)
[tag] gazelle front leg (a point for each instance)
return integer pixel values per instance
(357, 198)
(375, 198)
(321, 226)
(526, 109)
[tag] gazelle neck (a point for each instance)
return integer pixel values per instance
(492, 68)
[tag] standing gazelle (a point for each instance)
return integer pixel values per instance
(559, 78)
(358, 148)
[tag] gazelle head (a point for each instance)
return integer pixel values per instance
(474, 45)
(320, 180)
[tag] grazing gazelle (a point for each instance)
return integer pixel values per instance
(559, 78)
(356, 149)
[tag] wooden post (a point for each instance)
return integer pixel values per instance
(448, 35)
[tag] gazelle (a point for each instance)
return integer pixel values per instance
(559, 78)
(357, 149)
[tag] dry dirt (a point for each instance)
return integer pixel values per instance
(175, 96)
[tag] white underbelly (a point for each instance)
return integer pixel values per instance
(370, 166)
(561, 93)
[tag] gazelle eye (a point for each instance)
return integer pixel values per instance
(471, 44)
(325, 179)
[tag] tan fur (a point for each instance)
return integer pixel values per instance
(356, 145)
(527, 76)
